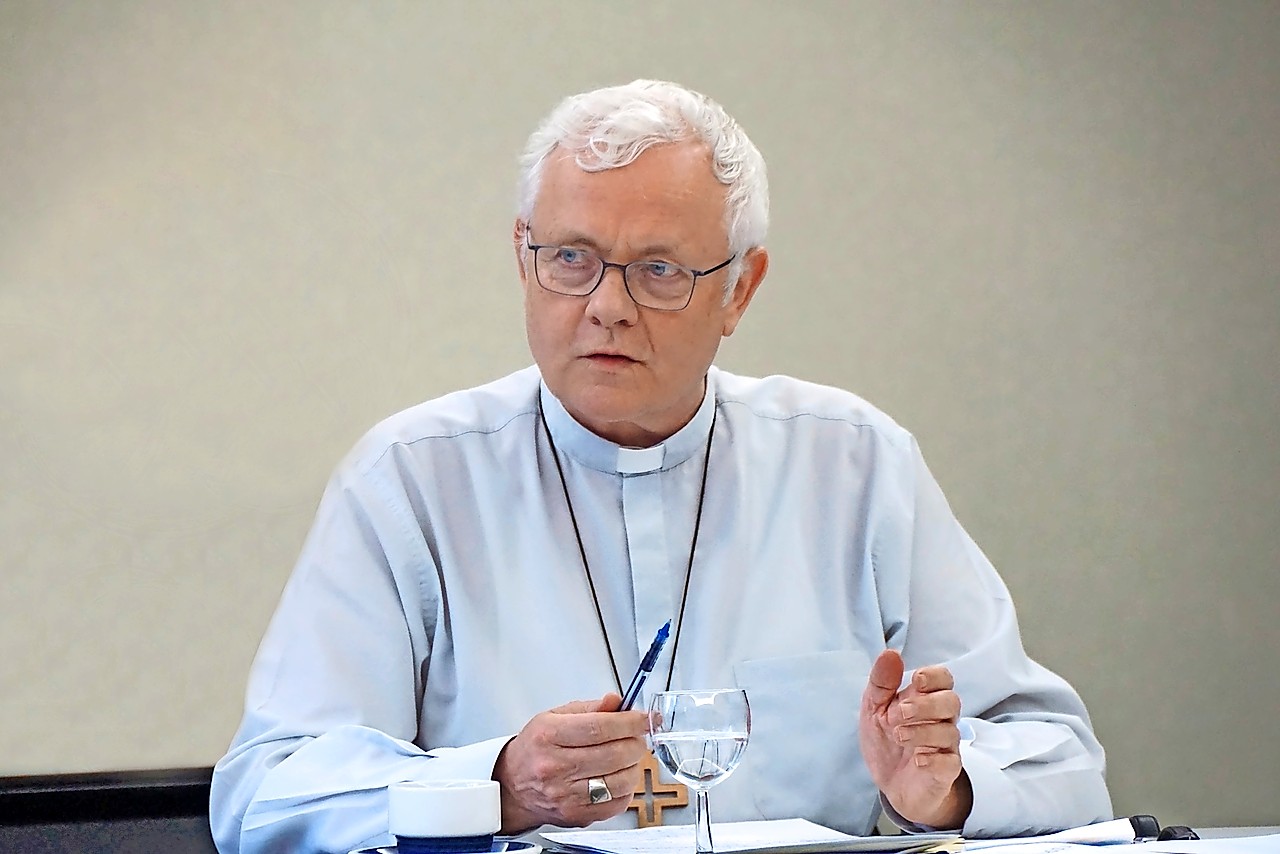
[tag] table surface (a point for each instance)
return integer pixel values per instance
(1224, 832)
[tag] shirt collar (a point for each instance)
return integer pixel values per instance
(602, 455)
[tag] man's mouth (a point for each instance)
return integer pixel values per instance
(608, 358)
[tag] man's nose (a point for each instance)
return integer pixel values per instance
(610, 302)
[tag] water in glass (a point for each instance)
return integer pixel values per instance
(700, 736)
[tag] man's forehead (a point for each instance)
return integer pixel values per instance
(687, 160)
(667, 191)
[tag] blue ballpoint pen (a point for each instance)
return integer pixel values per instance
(645, 668)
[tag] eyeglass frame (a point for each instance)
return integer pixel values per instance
(604, 268)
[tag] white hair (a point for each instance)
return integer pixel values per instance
(610, 127)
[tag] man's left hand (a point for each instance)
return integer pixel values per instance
(911, 743)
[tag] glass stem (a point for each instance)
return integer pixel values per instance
(703, 823)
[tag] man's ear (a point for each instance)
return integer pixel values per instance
(518, 231)
(754, 267)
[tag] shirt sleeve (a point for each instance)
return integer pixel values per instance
(328, 794)
(1026, 741)
(332, 706)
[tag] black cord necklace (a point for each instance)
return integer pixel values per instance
(586, 566)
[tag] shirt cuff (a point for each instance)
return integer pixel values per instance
(995, 797)
(469, 762)
(900, 822)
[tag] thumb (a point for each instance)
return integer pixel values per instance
(884, 679)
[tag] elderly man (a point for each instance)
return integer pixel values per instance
(487, 568)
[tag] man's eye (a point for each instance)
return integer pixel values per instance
(660, 270)
(572, 257)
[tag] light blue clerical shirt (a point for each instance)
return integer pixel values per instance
(440, 602)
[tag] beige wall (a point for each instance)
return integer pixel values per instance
(1042, 235)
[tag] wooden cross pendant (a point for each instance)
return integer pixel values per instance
(653, 795)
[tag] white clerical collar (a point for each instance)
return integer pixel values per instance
(602, 455)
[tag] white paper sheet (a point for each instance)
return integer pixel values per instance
(1119, 830)
(782, 836)
(1268, 844)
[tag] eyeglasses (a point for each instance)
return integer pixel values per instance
(576, 272)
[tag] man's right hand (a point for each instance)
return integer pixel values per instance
(544, 770)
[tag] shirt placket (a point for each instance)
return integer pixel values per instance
(650, 570)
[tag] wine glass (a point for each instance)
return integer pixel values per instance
(700, 736)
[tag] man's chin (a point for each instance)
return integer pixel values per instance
(601, 407)
(608, 412)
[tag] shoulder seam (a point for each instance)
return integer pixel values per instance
(366, 468)
(905, 434)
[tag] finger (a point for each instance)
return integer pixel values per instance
(935, 677)
(884, 679)
(929, 737)
(944, 768)
(604, 759)
(935, 706)
(576, 809)
(589, 729)
(577, 707)
(622, 783)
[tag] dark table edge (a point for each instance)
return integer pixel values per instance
(105, 796)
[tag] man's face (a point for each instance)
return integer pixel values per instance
(633, 375)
